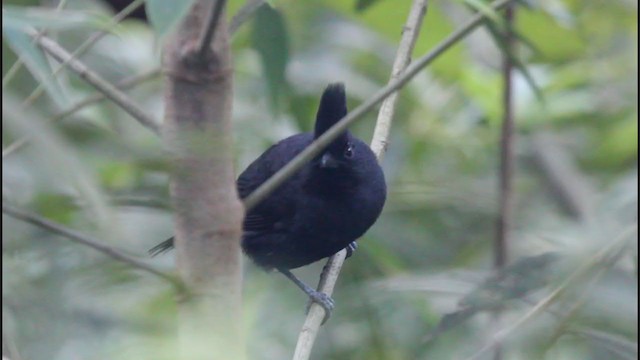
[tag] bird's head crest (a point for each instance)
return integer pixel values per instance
(333, 107)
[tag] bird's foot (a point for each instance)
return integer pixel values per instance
(323, 300)
(351, 248)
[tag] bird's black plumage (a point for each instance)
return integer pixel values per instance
(324, 207)
(328, 204)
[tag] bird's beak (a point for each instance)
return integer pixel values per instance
(327, 161)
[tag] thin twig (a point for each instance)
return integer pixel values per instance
(403, 58)
(316, 313)
(209, 30)
(244, 14)
(89, 100)
(6, 79)
(241, 17)
(9, 349)
(319, 144)
(506, 151)
(543, 304)
(83, 239)
(581, 299)
(86, 45)
(208, 216)
(97, 81)
(11, 73)
(329, 277)
(505, 211)
(571, 188)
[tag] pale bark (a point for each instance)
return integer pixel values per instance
(197, 129)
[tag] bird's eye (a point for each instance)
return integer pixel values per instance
(348, 152)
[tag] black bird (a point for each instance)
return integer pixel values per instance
(322, 209)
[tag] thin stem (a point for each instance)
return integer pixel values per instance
(544, 304)
(89, 100)
(316, 314)
(331, 271)
(6, 79)
(319, 144)
(11, 73)
(77, 237)
(506, 149)
(244, 14)
(86, 45)
(97, 81)
(410, 33)
(241, 17)
(210, 28)
(505, 211)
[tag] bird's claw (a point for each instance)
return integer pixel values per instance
(351, 248)
(323, 300)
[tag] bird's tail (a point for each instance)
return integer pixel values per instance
(162, 247)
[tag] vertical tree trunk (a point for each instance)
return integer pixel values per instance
(197, 129)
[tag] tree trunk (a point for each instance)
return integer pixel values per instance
(208, 213)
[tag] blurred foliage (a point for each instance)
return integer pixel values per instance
(101, 173)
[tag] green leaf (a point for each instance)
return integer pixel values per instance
(271, 40)
(56, 159)
(496, 27)
(619, 143)
(555, 42)
(57, 207)
(387, 19)
(362, 5)
(20, 17)
(164, 15)
(26, 49)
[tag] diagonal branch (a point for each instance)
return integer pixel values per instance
(319, 144)
(198, 94)
(80, 238)
(329, 276)
(240, 18)
(410, 34)
(86, 45)
(210, 29)
(110, 91)
(244, 14)
(89, 100)
(616, 245)
(505, 211)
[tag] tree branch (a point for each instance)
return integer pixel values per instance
(244, 14)
(571, 189)
(241, 17)
(617, 245)
(86, 45)
(319, 144)
(89, 100)
(118, 97)
(410, 33)
(209, 30)
(505, 201)
(316, 314)
(506, 148)
(208, 217)
(330, 274)
(17, 65)
(77, 237)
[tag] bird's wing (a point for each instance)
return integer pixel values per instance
(267, 215)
